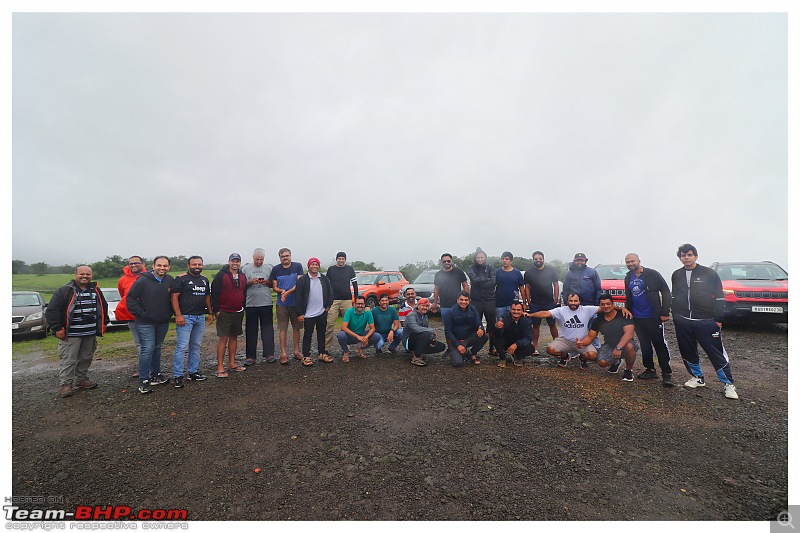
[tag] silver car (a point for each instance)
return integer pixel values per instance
(27, 314)
(113, 298)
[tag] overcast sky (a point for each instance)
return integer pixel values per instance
(397, 137)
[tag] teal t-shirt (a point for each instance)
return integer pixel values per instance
(357, 323)
(384, 319)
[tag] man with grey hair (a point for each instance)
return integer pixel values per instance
(76, 314)
(258, 309)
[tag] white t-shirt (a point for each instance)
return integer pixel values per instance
(574, 323)
(315, 305)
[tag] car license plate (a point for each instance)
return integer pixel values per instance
(14, 326)
(760, 309)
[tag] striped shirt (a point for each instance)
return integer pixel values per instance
(84, 316)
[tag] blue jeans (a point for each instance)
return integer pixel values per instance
(345, 339)
(134, 334)
(152, 337)
(398, 335)
(190, 336)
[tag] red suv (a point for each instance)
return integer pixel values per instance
(754, 292)
(372, 285)
(612, 281)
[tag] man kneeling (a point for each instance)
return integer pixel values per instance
(463, 328)
(617, 333)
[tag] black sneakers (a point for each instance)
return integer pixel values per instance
(666, 380)
(563, 361)
(613, 369)
(159, 379)
(649, 373)
(179, 382)
(627, 375)
(197, 376)
(145, 388)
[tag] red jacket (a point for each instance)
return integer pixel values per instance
(124, 285)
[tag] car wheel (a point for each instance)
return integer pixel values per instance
(371, 302)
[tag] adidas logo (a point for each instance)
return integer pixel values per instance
(573, 323)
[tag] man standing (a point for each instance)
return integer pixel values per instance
(697, 307)
(583, 280)
(463, 328)
(314, 298)
(648, 298)
(284, 282)
(358, 327)
(510, 285)
(150, 302)
(447, 283)
(191, 303)
(130, 274)
(617, 331)
(228, 295)
(387, 325)
(515, 333)
(342, 277)
(541, 292)
(258, 309)
(482, 278)
(76, 314)
(418, 337)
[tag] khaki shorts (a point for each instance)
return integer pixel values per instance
(229, 324)
(560, 344)
(285, 314)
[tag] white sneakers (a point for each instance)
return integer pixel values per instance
(730, 391)
(695, 382)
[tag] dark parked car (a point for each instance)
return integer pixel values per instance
(754, 292)
(27, 314)
(423, 285)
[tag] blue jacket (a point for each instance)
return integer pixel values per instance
(585, 281)
(459, 325)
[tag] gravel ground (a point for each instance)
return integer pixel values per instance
(380, 439)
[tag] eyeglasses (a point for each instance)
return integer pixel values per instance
(285, 256)
(445, 262)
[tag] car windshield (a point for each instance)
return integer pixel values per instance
(111, 295)
(611, 271)
(426, 277)
(23, 300)
(366, 279)
(751, 271)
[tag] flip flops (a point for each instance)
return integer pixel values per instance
(325, 358)
(221, 374)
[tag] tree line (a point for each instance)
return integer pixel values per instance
(111, 267)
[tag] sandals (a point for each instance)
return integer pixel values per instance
(418, 361)
(362, 355)
(307, 361)
(325, 358)
(284, 360)
(299, 357)
(221, 374)
(346, 357)
(475, 360)
(501, 364)
(237, 368)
